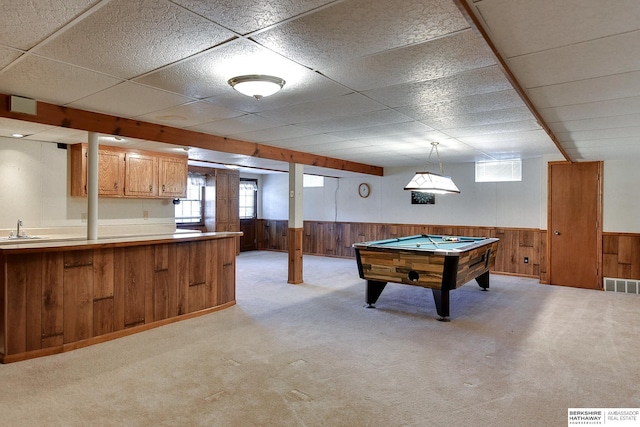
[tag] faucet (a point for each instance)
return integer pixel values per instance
(18, 228)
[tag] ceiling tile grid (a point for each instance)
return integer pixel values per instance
(525, 26)
(127, 38)
(246, 16)
(138, 100)
(473, 82)
(355, 28)
(456, 53)
(51, 81)
(23, 24)
(366, 80)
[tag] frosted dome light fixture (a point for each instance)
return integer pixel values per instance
(257, 85)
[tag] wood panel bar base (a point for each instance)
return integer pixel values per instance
(108, 337)
(59, 296)
(295, 255)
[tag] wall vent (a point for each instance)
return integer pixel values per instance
(622, 285)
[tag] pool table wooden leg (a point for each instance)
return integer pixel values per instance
(441, 299)
(483, 281)
(372, 292)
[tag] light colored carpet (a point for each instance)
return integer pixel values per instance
(312, 355)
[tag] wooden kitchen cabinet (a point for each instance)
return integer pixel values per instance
(141, 177)
(110, 171)
(172, 173)
(125, 173)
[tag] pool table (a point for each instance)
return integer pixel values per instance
(441, 263)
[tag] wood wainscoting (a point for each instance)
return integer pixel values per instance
(621, 255)
(335, 239)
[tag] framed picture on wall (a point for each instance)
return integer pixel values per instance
(420, 198)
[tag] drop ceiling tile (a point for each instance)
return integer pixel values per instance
(605, 153)
(23, 24)
(51, 81)
(61, 135)
(590, 110)
(494, 128)
(307, 140)
(445, 56)
(472, 82)
(206, 76)
(323, 109)
(245, 16)
(482, 118)
(345, 30)
(586, 91)
(11, 126)
(599, 134)
(538, 136)
(472, 104)
(7, 56)
(273, 134)
(395, 130)
(245, 123)
(525, 26)
(153, 32)
(610, 55)
(190, 114)
(600, 123)
(356, 121)
(129, 100)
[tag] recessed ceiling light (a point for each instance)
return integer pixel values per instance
(18, 135)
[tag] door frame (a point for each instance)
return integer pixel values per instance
(599, 202)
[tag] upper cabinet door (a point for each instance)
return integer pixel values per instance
(141, 176)
(110, 173)
(173, 177)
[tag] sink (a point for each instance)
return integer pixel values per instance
(14, 239)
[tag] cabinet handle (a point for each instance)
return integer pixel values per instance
(150, 188)
(115, 185)
(163, 188)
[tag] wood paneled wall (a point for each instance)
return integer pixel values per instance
(621, 255)
(335, 239)
(61, 300)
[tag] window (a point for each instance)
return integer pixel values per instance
(499, 171)
(190, 209)
(312, 181)
(248, 198)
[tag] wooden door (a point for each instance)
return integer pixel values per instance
(575, 218)
(248, 238)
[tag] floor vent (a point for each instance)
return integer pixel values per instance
(622, 285)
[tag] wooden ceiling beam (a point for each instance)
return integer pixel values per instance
(72, 118)
(475, 23)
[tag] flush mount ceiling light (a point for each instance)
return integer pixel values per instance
(257, 85)
(429, 182)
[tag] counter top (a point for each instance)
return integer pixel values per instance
(52, 243)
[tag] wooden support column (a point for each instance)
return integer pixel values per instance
(295, 232)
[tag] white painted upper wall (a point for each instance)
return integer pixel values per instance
(35, 188)
(506, 204)
(513, 204)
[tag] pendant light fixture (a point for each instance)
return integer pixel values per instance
(256, 85)
(429, 182)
